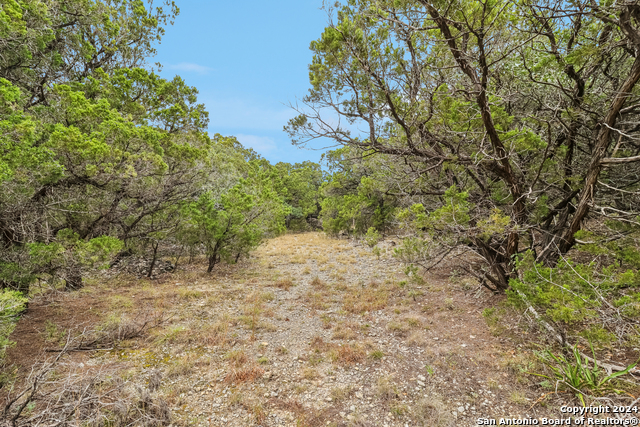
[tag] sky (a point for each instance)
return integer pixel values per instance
(249, 60)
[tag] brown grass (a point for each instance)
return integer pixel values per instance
(285, 284)
(244, 374)
(349, 354)
(366, 299)
(318, 284)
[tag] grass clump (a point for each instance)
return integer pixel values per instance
(367, 299)
(285, 284)
(376, 355)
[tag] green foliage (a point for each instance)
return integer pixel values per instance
(232, 223)
(570, 293)
(299, 185)
(12, 303)
(580, 376)
(356, 198)
(372, 237)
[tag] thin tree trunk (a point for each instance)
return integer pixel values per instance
(153, 260)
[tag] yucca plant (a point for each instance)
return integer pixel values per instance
(579, 375)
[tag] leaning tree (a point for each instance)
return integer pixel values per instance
(519, 119)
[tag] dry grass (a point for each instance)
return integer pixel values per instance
(237, 358)
(385, 389)
(430, 411)
(417, 339)
(367, 299)
(316, 300)
(346, 355)
(318, 284)
(340, 394)
(285, 284)
(346, 331)
(244, 374)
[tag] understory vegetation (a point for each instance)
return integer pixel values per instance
(501, 134)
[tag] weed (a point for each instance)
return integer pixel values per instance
(398, 409)
(316, 300)
(518, 398)
(448, 303)
(376, 355)
(309, 374)
(171, 335)
(316, 283)
(263, 360)
(348, 354)
(417, 339)
(120, 301)
(315, 359)
(344, 332)
(53, 333)
(340, 394)
(399, 328)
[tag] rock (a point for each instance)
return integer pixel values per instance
(422, 378)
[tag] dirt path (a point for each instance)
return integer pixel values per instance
(314, 331)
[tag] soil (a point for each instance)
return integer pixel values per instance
(308, 331)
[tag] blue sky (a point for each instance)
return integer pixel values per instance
(248, 60)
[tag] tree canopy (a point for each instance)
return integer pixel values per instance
(512, 123)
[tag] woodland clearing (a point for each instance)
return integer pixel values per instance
(309, 331)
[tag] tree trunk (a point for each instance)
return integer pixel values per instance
(153, 260)
(73, 278)
(595, 167)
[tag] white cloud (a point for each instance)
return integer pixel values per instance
(190, 67)
(262, 144)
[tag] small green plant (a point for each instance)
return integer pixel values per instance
(376, 355)
(263, 360)
(429, 369)
(579, 375)
(448, 302)
(372, 237)
(377, 251)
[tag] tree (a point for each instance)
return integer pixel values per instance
(231, 222)
(94, 152)
(299, 184)
(517, 113)
(358, 195)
